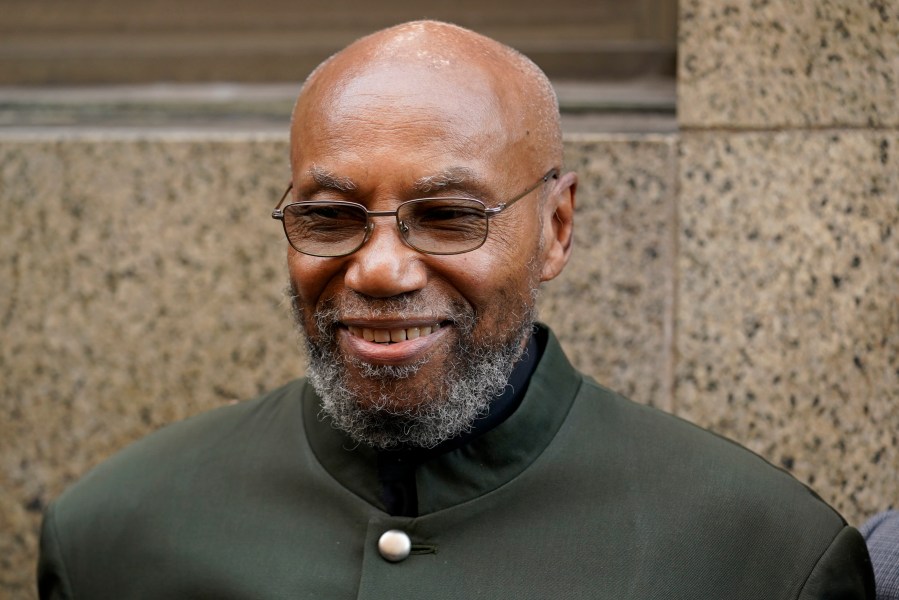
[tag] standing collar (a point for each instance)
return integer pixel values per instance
(397, 467)
(494, 453)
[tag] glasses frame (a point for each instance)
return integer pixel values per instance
(489, 213)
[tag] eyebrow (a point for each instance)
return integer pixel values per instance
(327, 180)
(453, 177)
(460, 178)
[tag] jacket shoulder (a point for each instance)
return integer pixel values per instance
(701, 462)
(164, 461)
(729, 510)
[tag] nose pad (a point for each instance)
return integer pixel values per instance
(370, 227)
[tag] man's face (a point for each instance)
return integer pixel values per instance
(397, 329)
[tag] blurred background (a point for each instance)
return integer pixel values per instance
(609, 58)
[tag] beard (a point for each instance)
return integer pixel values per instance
(383, 406)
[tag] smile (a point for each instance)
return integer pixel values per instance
(391, 335)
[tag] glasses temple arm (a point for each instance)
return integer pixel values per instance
(276, 213)
(551, 174)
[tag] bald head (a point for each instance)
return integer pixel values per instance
(438, 72)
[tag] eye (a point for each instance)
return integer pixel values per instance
(445, 213)
(314, 219)
(325, 213)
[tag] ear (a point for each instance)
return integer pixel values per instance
(558, 226)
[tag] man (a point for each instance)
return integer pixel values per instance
(442, 445)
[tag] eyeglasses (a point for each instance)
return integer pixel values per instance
(330, 228)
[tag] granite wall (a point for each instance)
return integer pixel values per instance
(787, 318)
(141, 281)
(742, 273)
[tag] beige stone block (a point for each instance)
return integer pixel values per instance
(141, 282)
(788, 304)
(786, 63)
(611, 307)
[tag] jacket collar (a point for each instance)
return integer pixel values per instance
(473, 469)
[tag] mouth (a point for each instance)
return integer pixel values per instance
(392, 335)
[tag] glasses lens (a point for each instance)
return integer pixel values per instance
(323, 228)
(443, 225)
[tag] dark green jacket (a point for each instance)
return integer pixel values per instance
(579, 494)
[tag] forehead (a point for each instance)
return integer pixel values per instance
(422, 111)
(468, 102)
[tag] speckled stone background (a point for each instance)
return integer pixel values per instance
(139, 283)
(787, 318)
(612, 306)
(787, 63)
(142, 282)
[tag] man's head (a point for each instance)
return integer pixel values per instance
(425, 109)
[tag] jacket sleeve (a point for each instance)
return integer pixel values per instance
(843, 572)
(52, 582)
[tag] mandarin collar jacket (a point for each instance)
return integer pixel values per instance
(578, 494)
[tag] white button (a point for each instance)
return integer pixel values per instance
(394, 545)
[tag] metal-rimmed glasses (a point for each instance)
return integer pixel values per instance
(442, 225)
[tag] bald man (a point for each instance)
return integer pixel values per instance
(441, 445)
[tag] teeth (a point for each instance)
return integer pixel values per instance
(383, 336)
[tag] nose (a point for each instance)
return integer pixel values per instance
(385, 266)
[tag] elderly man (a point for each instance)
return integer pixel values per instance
(442, 446)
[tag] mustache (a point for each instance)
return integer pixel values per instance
(329, 313)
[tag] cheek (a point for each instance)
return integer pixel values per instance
(517, 236)
(493, 281)
(515, 254)
(309, 277)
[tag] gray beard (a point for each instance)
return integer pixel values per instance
(444, 409)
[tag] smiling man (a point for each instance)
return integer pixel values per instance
(441, 446)
(416, 313)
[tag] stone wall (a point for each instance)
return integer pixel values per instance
(142, 282)
(742, 273)
(787, 319)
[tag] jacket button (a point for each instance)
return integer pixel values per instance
(394, 545)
